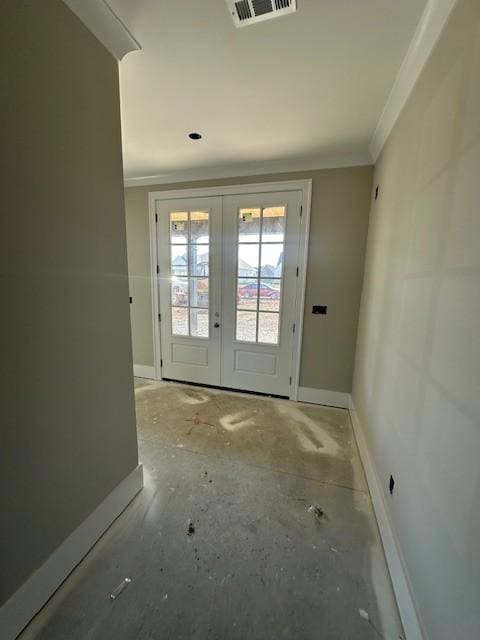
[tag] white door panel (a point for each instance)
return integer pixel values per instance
(260, 243)
(189, 233)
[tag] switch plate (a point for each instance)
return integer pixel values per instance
(319, 310)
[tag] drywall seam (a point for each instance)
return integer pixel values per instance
(401, 585)
(17, 612)
(324, 396)
(427, 33)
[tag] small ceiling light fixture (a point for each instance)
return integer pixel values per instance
(195, 136)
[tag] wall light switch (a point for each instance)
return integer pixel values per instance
(319, 310)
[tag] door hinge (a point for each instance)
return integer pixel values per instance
(290, 380)
(161, 364)
(294, 327)
(297, 272)
(158, 269)
(301, 210)
(156, 217)
(159, 317)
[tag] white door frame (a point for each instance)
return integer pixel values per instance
(305, 186)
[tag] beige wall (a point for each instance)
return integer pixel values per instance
(67, 403)
(417, 374)
(339, 221)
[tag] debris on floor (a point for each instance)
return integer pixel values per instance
(316, 511)
(287, 558)
(365, 615)
(196, 422)
(118, 590)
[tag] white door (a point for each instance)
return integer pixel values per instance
(260, 245)
(227, 289)
(189, 233)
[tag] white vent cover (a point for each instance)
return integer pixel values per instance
(245, 12)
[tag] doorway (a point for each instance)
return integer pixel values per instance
(229, 285)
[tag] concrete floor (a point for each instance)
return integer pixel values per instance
(243, 470)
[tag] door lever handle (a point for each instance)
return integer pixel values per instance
(216, 325)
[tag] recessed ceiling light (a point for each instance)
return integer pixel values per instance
(195, 136)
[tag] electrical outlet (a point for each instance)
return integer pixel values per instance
(391, 485)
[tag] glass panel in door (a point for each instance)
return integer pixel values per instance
(261, 248)
(189, 273)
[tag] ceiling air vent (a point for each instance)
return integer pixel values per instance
(245, 12)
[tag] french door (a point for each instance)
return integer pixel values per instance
(227, 281)
(189, 240)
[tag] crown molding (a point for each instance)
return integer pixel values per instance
(106, 26)
(253, 169)
(427, 34)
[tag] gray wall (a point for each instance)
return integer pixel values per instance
(417, 374)
(339, 222)
(67, 408)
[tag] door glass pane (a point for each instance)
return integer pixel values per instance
(246, 326)
(199, 292)
(179, 289)
(268, 324)
(270, 291)
(272, 261)
(199, 232)
(247, 293)
(179, 321)
(179, 227)
(260, 273)
(249, 225)
(199, 323)
(179, 260)
(273, 224)
(189, 272)
(248, 255)
(199, 257)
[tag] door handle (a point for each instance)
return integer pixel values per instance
(216, 325)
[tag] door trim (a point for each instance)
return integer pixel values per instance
(305, 186)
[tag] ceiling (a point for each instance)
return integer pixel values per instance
(301, 91)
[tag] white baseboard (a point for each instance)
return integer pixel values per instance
(324, 396)
(25, 603)
(398, 573)
(143, 371)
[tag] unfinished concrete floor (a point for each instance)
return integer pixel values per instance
(258, 564)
